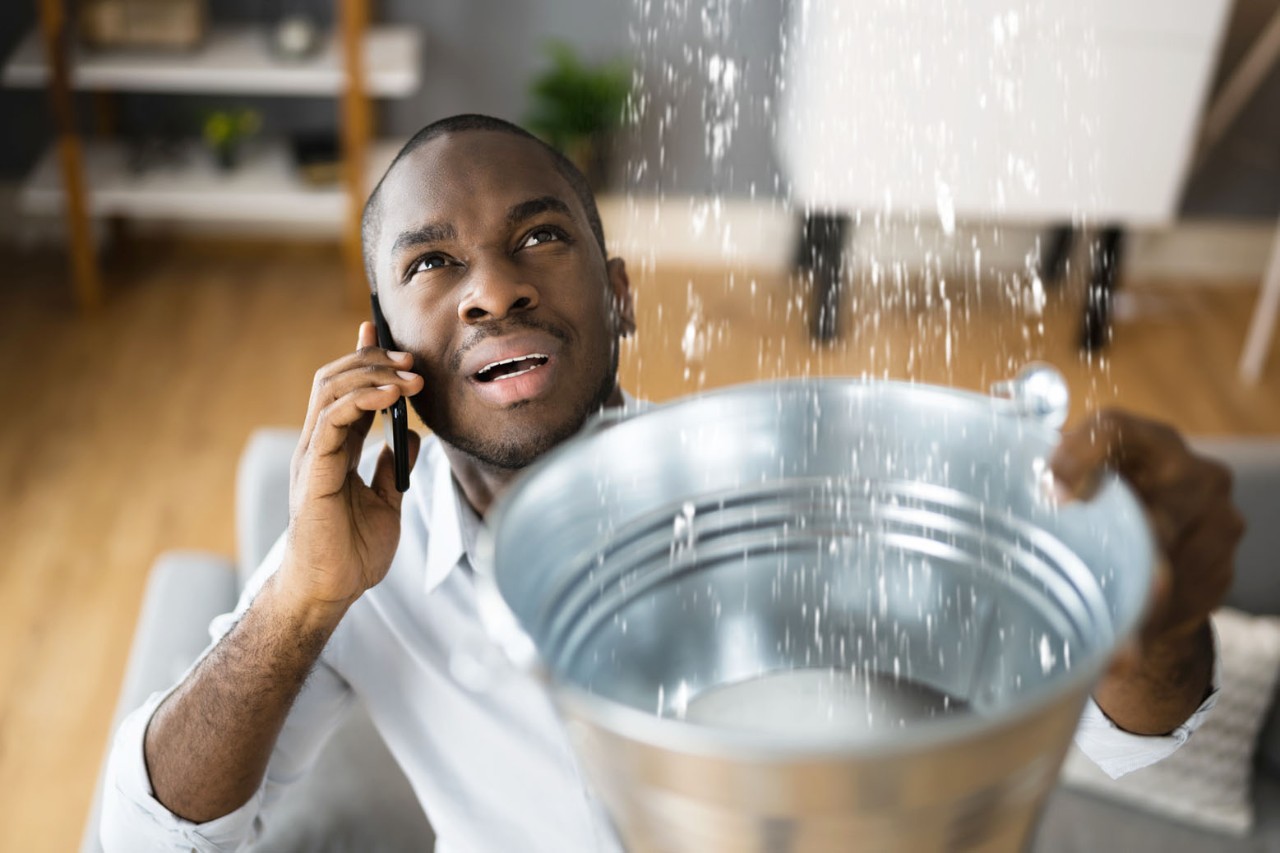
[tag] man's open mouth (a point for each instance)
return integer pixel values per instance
(510, 367)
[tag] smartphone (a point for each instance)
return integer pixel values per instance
(396, 419)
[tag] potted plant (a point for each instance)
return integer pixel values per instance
(225, 130)
(577, 107)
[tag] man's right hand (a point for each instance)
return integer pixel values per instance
(208, 744)
(343, 532)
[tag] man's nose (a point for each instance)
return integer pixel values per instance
(497, 290)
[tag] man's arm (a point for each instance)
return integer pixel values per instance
(229, 711)
(1153, 690)
(207, 746)
(1156, 684)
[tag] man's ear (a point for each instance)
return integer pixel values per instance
(620, 290)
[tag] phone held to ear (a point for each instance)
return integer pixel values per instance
(396, 419)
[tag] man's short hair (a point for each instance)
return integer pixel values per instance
(371, 221)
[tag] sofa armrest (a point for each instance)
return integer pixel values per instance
(185, 590)
(1255, 465)
(262, 494)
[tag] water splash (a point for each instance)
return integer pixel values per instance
(923, 278)
(1048, 660)
(683, 534)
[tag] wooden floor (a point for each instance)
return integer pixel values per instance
(121, 430)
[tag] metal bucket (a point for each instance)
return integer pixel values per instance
(816, 616)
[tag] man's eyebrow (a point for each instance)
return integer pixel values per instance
(534, 206)
(434, 233)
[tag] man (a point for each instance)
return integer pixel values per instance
(487, 254)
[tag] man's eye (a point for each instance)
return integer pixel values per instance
(430, 262)
(542, 235)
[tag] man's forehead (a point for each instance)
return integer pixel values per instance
(471, 171)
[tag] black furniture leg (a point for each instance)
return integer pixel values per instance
(821, 255)
(1095, 332)
(1054, 252)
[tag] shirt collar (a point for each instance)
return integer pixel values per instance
(452, 525)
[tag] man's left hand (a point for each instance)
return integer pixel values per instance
(1156, 684)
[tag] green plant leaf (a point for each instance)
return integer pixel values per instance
(572, 100)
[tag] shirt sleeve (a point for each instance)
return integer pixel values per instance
(133, 819)
(1118, 752)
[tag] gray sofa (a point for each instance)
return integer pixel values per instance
(1076, 822)
(358, 800)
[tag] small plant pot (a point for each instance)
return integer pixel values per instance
(227, 156)
(591, 155)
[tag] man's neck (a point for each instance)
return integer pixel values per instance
(481, 483)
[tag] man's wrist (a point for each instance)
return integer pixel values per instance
(295, 606)
(1186, 653)
(1160, 687)
(1175, 654)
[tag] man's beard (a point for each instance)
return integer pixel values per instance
(513, 455)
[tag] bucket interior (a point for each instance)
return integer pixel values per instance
(899, 601)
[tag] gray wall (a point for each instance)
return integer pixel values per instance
(1242, 174)
(480, 54)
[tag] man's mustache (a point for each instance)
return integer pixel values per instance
(502, 327)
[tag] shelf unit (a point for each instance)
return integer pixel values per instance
(263, 186)
(91, 178)
(233, 59)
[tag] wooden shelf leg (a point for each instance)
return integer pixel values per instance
(356, 133)
(1263, 324)
(84, 265)
(1234, 94)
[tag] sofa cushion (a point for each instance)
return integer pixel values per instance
(1255, 464)
(1269, 742)
(262, 495)
(185, 590)
(1076, 821)
(355, 800)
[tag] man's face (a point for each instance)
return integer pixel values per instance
(489, 274)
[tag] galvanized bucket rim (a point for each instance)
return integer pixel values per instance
(677, 735)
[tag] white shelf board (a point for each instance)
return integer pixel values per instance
(264, 187)
(232, 60)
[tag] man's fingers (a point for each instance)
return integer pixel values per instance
(1197, 490)
(1145, 453)
(368, 368)
(1219, 532)
(357, 433)
(1210, 545)
(345, 394)
(384, 474)
(367, 353)
(1177, 487)
(367, 376)
(1080, 457)
(334, 421)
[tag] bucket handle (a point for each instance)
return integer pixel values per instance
(1039, 393)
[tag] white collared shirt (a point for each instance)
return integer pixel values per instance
(489, 762)
(478, 740)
